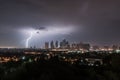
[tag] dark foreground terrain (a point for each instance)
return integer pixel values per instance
(54, 69)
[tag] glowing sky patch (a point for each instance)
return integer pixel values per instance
(43, 33)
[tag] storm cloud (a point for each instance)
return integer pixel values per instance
(95, 21)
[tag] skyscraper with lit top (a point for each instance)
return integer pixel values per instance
(56, 44)
(52, 45)
(46, 45)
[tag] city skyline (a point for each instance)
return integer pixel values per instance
(95, 22)
(80, 46)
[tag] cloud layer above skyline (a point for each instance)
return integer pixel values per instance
(97, 22)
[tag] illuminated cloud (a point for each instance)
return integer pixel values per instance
(57, 31)
(46, 32)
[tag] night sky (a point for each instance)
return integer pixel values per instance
(93, 21)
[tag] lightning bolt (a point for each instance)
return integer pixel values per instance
(28, 39)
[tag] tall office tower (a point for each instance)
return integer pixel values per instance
(46, 45)
(64, 44)
(56, 44)
(67, 45)
(52, 45)
(61, 44)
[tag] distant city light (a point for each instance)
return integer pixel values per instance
(23, 57)
(117, 51)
